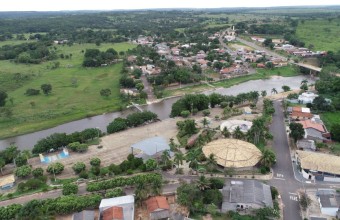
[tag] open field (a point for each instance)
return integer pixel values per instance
(67, 101)
(321, 33)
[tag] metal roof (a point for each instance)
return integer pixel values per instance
(151, 146)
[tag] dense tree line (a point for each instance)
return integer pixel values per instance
(36, 52)
(58, 140)
(194, 103)
(132, 120)
(36, 209)
(95, 58)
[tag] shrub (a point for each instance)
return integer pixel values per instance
(185, 113)
(79, 167)
(274, 192)
(23, 171)
(55, 168)
(150, 178)
(95, 162)
(118, 124)
(114, 192)
(38, 172)
(31, 92)
(83, 174)
(216, 183)
(206, 112)
(115, 169)
(69, 189)
(129, 172)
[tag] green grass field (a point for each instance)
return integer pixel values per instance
(330, 118)
(66, 102)
(321, 33)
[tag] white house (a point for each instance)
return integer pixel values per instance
(307, 97)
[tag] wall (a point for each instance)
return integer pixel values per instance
(331, 179)
(329, 211)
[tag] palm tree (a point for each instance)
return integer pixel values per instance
(178, 159)
(27, 154)
(211, 162)
(274, 91)
(268, 158)
(203, 183)
(238, 134)
(263, 93)
(2, 164)
(141, 192)
(226, 132)
(165, 157)
(205, 122)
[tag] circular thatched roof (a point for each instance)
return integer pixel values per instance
(233, 153)
(231, 125)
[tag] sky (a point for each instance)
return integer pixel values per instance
(57, 5)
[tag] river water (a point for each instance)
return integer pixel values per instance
(162, 109)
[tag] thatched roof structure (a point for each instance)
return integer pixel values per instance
(319, 162)
(233, 153)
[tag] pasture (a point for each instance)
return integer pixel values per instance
(75, 90)
(321, 33)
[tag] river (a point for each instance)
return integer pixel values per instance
(162, 109)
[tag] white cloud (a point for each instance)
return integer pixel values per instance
(49, 5)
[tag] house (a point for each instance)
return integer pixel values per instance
(315, 130)
(319, 166)
(117, 208)
(261, 65)
(7, 182)
(307, 145)
(158, 208)
(84, 215)
(246, 195)
(312, 124)
(227, 70)
(307, 97)
(329, 201)
(258, 39)
(299, 113)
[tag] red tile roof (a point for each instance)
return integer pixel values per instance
(296, 114)
(297, 109)
(157, 202)
(113, 213)
(311, 124)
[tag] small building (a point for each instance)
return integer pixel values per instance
(150, 148)
(231, 125)
(307, 97)
(329, 201)
(7, 182)
(306, 145)
(122, 207)
(242, 195)
(84, 215)
(319, 166)
(158, 208)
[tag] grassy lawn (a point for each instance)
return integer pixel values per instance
(66, 102)
(286, 71)
(330, 118)
(321, 33)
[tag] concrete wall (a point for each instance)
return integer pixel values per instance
(329, 211)
(331, 179)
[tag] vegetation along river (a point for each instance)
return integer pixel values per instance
(162, 109)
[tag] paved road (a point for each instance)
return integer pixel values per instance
(284, 179)
(257, 47)
(148, 89)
